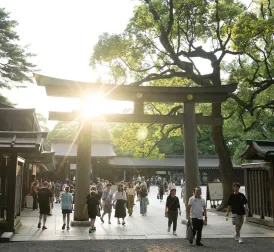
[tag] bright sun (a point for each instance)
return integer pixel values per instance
(93, 105)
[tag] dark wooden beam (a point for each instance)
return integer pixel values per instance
(131, 118)
(75, 89)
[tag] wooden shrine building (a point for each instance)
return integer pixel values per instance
(21, 146)
(65, 158)
(259, 181)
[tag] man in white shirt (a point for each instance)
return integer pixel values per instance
(171, 185)
(196, 207)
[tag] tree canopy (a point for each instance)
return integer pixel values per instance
(15, 67)
(199, 43)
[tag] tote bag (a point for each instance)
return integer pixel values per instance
(189, 232)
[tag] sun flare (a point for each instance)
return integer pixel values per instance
(93, 105)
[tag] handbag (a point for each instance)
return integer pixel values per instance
(189, 232)
(85, 211)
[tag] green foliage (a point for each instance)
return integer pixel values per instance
(43, 122)
(69, 131)
(161, 46)
(14, 65)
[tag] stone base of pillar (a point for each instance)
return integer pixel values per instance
(80, 223)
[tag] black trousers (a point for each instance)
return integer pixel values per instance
(34, 204)
(161, 195)
(197, 225)
(173, 217)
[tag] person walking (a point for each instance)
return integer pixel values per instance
(107, 197)
(143, 200)
(171, 185)
(148, 182)
(161, 190)
(130, 198)
(93, 205)
(34, 193)
(100, 188)
(237, 202)
(119, 201)
(196, 207)
(44, 200)
(66, 205)
(172, 207)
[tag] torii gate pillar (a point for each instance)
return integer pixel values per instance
(190, 150)
(83, 165)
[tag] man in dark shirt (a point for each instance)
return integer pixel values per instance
(44, 200)
(238, 204)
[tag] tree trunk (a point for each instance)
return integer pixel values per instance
(226, 167)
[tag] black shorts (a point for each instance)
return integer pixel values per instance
(92, 216)
(44, 209)
(66, 211)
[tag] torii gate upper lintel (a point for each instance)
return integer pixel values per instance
(138, 94)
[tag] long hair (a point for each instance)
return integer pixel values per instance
(120, 188)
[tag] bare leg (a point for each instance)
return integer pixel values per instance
(68, 220)
(64, 219)
(44, 220)
(92, 222)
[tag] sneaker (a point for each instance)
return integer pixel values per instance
(174, 233)
(109, 222)
(44, 227)
(90, 230)
(39, 225)
(94, 228)
(199, 244)
(119, 222)
(63, 227)
(123, 223)
(68, 227)
(236, 237)
(102, 219)
(168, 229)
(240, 240)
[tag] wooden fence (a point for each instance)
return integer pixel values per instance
(259, 183)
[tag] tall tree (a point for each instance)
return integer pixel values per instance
(15, 67)
(187, 40)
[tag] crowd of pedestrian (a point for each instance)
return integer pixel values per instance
(120, 197)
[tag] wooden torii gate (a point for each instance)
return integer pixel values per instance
(137, 94)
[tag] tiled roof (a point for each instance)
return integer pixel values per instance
(69, 149)
(259, 150)
(21, 142)
(177, 161)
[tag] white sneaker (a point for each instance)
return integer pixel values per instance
(168, 229)
(174, 233)
(236, 237)
(240, 240)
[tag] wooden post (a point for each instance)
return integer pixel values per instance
(83, 164)
(190, 150)
(11, 177)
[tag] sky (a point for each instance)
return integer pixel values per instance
(62, 34)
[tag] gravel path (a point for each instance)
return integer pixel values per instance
(167, 245)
